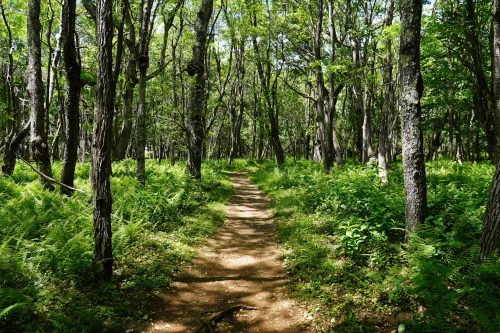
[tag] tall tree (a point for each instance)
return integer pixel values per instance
(480, 82)
(14, 136)
(101, 145)
(411, 92)
(125, 132)
(72, 98)
(197, 101)
(38, 133)
(147, 21)
(321, 92)
(143, 65)
(388, 103)
(490, 237)
(236, 115)
(268, 87)
(335, 90)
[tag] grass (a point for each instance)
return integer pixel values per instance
(341, 238)
(46, 245)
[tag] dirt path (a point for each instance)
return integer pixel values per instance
(240, 265)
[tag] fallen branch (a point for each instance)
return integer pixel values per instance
(207, 325)
(50, 179)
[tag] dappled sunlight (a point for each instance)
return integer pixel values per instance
(239, 265)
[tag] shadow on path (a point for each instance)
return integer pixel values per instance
(239, 265)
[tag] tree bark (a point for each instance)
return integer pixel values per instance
(265, 78)
(38, 132)
(388, 103)
(236, 116)
(480, 84)
(11, 144)
(143, 65)
(101, 145)
(72, 99)
(197, 102)
(125, 133)
(332, 139)
(411, 92)
(490, 236)
(321, 93)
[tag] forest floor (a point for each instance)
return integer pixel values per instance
(239, 266)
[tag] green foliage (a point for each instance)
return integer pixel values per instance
(88, 78)
(341, 235)
(46, 245)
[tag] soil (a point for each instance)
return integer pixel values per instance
(240, 265)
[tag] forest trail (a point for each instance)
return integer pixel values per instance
(240, 265)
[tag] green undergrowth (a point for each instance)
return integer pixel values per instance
(342, 234)
(46, 245)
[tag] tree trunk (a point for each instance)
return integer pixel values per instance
(125, 132)
(485, 114)
(332, 140)
(490, 236)
(322, 138)
(265, 78)
(411, 92)
(72, 99)
(143, 65)
(11, 144)
(388, 103)
(101, 145)
(236, 118)
(38, 133)
(197, 102)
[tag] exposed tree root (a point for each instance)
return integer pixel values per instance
(207, 325)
